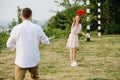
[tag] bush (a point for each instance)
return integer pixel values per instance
(50, 32)
(3, 39)
(114, 28)
(111, 28)
(60, 24)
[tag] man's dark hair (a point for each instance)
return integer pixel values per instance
(26, 12)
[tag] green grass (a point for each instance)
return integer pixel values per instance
(98, 60)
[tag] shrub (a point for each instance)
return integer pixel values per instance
(111, 28)
(3, 39)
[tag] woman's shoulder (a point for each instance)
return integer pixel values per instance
(80, 25)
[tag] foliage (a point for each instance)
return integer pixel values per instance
(19, 10)
(14, 22)
(61, 22)
(110, 16)
(115, 10)
(3, 39)
(63, 19)
(113, 28)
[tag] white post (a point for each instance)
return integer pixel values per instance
(88, 20)
(99, 18)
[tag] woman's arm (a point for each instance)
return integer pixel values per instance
(73, 23)
(83, 34)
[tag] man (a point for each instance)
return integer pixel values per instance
(25, 38)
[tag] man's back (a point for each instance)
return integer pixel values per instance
(27, 37)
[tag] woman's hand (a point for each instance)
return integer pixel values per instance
(87, 36)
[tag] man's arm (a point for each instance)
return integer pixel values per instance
(11, 41)
(43, 38)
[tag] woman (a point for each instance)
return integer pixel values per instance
(72, 42)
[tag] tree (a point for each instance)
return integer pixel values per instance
(19, 15)
(69, 12)
(62, 20)
(105, 15)
(12, 24)
(65, 3)
(110, 16)
(115, 10)
(19, 19)
(3, 39)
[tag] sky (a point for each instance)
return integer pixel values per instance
(41, 8)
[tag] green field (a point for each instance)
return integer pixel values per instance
(98, 60)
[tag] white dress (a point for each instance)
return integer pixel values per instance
(73, 37)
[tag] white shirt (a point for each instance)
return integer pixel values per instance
(25, 38)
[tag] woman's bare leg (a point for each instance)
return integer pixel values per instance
(74, 54)
(71, 55)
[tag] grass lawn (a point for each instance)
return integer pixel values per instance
(98, 60)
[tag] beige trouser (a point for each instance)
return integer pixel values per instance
(20, 73)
